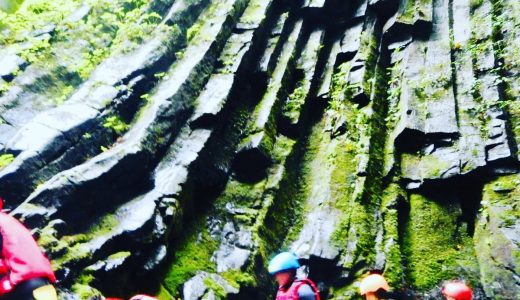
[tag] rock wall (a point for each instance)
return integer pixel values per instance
(173, 147)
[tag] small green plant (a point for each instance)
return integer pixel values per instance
(146, 97)
(116, 124)
(37, 51)
(159, 75)
(6, 159)
(193, 31)
(5, 86)
(339, 81)
(295, 101)
(67, 90)
(474, 4)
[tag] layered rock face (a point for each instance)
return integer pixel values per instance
(174, 146)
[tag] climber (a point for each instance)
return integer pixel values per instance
(457, 290)
(25, 273)
(375, 286)
(283, 266)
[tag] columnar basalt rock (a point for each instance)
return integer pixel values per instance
(173, 147)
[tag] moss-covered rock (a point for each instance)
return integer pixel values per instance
(435, 245)
(496, 238)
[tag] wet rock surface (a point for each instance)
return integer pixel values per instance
(176, 153)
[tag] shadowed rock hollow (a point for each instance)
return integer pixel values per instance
(173, 146)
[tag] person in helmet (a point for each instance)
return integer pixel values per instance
(283, 267)
(374, 286)
(25, 272)
(456, 290)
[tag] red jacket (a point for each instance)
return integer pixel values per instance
(20, 254)
(291, 292)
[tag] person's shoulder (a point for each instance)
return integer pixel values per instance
(305, 290)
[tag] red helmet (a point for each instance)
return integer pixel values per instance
(457, 290)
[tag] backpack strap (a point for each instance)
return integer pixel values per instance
(300, 282)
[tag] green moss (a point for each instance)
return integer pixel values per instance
(295, 101)
(163, 294)
(105, 225)
(63, 95)
(338, 85)
(275, 217)
(219, 291)
(254, 12)
(5, 86)
(110, 27)
(86, 292)
(499, 194)
(358, 197)
(393, 271)
(474, 4)
(119, 255)
(408, 12)
(434, 247)
(238, 278)
(33, 14)
(6, 159)
(369, 53)
(10, 6)
(496, 252)
(242, 194)
(72, 248)
(193, 31)
(194, 254)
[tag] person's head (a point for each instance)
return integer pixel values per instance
(371, 284)
(285, 277)
(456, 290)
(283, 267)
(143, 297)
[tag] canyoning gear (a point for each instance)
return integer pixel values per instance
(372, 283)
(32, 289)
(457, 290)
(21, 259)
(283, 262)
(46, 292)
(292, 291)
(21, 254)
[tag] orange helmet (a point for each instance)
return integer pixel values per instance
(372, 283)
(457, 290)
